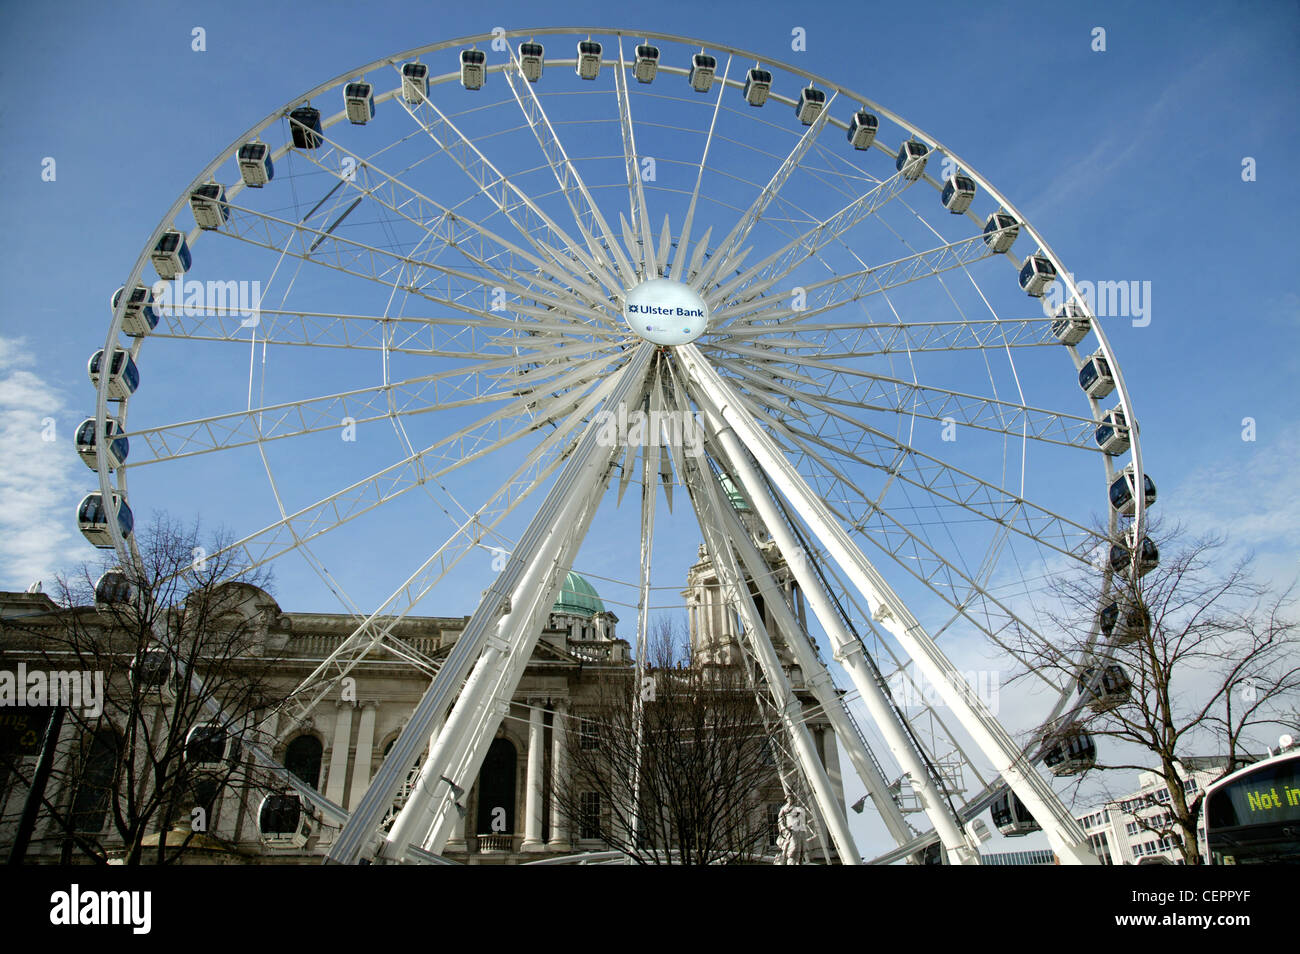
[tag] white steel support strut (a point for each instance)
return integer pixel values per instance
(1063, 832)
(357, 837)
(506, 652)
(709, 510)
(850, 654)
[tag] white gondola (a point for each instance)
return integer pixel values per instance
(703, 67)
(116, 446)
(359, 102)
(1001, 231)
(282, 821)
(810, 105)
(1123, 491)
(255, 165)
(93, 519)
(532, 59)
(1095, 377)
(1037, 274)
(1124, 622)
(1071, 323)
(958, 193)
(415, 82)
(1070, 752)
(210, 747)
(208, 203)
(1105, 688)
(1112, 434)
(171, 255)
(589, 59)
(758, 84)
(113, 588)
(911, 159)
(304, 126)
(862, 129)
(473, 69)
(646, 65)
(1011, 816)
(1121, 555)
(123, 375)
(139, 318)
(153, 675)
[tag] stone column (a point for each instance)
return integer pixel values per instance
(365, 753)
(533, 793)
(338, 774)
(559, 779)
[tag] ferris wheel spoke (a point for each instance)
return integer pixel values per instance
(586, 212)
(724, 256)
(684, 240)
(650, 265)
(781, 263)
(739, 312)
(455, 388)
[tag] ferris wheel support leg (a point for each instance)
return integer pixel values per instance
(711, 512)
(358, 836)
(1063, 832)
(851, 655)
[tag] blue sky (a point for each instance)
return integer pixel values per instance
(1129, 161)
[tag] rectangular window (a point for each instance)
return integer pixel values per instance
(589, 735)
(589, 815)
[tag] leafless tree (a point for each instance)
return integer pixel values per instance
(1203, 659)
(686, 786)
(177, 638)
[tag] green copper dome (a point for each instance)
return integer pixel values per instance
(578, 598)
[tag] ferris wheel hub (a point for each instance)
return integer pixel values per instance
(665, 312)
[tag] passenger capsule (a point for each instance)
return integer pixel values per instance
(1037, 274)
(415, 82)
(862, 129)
(123, 376)
(93, 519)
(810, 105)
(589, 59)
(282, 821)
(1011, 817)
(958, 193)
(646, 65)
(1000, 231)
(171, 255)
(116, 445)
(1121, 555)
(1095, 377)
(1071, 324)
(1070, 752)
(473, 68)
(255, 166)
(153, 675)
(113, 588)
(304, 126)
(532, 59)
(209, 206)
(359, 102)
(758, 84)
(1124, 621)
(140, 318)
(210, 747)
(1123, 491)
(1105, 688)
(1112, 434)
(703, 66)
(911, 159)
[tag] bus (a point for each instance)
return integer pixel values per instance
(1252, 816)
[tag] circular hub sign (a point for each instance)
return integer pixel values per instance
(665, 312)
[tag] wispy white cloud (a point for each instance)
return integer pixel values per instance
(39, 479)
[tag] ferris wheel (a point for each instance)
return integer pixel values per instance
(415, 301)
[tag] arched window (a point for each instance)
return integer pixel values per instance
(90, 802)
(303, 758)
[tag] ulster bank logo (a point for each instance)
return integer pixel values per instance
(665, 312)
